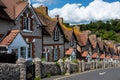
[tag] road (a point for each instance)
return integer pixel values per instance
(105, 74)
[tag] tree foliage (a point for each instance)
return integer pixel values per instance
(109, 30)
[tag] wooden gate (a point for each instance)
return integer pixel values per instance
(30, 72)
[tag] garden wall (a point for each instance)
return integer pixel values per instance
(9, 71)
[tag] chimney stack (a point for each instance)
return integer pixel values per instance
(59, 18)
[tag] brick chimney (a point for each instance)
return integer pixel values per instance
(59, 18)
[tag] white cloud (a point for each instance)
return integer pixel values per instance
(96, 10)
(36, 5)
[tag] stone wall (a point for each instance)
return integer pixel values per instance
(87, 66)
(9, 71)
(51, 68)
(73, 67)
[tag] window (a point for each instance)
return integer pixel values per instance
(29, 50)
(73, 55)
(55, 54)
(72, 41)
(26, 23)
(23, 52)
(56, 34)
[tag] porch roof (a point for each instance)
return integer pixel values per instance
(84, 54)
(69, 51)
(108, 57)
(9, 38)
(94, 55)
(102, 56)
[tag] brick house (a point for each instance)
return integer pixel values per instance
(82, 45)
(101, 49)
(107, 52)
(53, 36)
(20, 15)
(70, 41)
(94, 46)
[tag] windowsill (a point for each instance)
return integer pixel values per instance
(27, 31)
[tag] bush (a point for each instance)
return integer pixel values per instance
(37, 78)
(57, 63)
(75, 61)
(48, 75)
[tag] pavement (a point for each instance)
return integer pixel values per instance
(100, 74)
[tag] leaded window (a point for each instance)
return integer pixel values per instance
(56, 34)
(26, 23)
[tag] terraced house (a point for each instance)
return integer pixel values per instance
(53, 36)
(20, 29)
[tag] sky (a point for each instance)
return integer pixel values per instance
(81, 11)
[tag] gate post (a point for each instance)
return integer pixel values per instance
(79, 66)
(60, 61)
(83, 65)
(22, 64)
(37, 62)
(67, 66)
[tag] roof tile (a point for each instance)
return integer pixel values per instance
(84, 54)
(93, 40)
(14, 7)
(9, 38)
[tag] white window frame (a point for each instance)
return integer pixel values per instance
(56, 34)
(26, 24)
(55, 54)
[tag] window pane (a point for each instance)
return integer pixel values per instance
(26, 23)
(55, 54)
(23, 52)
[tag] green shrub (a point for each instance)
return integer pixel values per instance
(74, 61)
(48, 75)
(57, 63)
(37, 78)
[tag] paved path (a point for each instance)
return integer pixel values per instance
(104, 74)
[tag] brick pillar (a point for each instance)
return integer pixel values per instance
(22, 64)
(37, 62)
(60, 61)
(67, 66)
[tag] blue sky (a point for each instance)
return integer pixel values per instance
(80, 11)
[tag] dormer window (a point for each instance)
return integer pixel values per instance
(72, 41)
(26, 23)
(56, 34)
